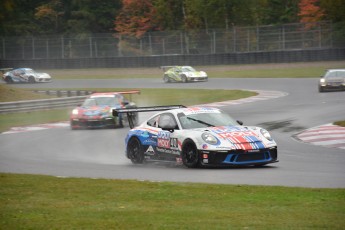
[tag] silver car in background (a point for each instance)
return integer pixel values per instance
(25, 75)
(334, 79)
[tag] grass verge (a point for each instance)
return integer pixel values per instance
(274, 70)
(147, 97)
(45, 202)
(340, 123)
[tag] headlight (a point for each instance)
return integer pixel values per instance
(75, 111)
(266, 134)
(209, 138)
(322, 80)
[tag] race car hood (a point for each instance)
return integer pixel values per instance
(95, 110)
(238, 137)
(42, 75)
(196, 74)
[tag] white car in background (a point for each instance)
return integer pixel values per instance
(333, 79)
(25, 75)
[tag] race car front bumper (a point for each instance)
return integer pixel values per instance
(197, 78)
(239, 157)
(78, 123)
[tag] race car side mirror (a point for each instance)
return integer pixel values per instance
(240, 122)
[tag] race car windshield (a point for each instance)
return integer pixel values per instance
(101, 101)
(203, 120)
(30, 71)
(188, 69)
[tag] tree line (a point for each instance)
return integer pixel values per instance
(136, 17)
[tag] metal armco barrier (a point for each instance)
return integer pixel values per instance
(65, 93)
(31, 105)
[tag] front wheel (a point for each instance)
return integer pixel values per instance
(166, 79)
(32, 80)
(190, 156)
(184, 78)
(135, 151)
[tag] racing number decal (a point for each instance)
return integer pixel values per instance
(173, 143)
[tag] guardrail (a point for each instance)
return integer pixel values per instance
(64, 93)
(31, 105)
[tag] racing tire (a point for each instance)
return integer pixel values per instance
(184, 78)
(31, 79)
(166, 79)
(9, 80)
(189, 155)
(135, 151)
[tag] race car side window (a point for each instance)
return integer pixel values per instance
(167, 118)
(153, 121)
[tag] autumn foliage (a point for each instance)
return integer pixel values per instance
(309, 12)
(136, 18)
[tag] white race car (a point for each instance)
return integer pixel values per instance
(25, 75)
(197, 136)
(182, 74)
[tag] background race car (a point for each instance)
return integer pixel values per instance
(25, 75)
(96, 111)
(333, 79)
(197, 136)
(182, 74)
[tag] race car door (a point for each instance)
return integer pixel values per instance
(167, 147)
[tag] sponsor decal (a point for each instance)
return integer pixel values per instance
(170, 151)
(150, 151)
(145, 134)
(198, 110)
(204, 146)
(163, 139)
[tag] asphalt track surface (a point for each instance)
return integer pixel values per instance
(100, 153)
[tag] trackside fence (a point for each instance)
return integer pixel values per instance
(297, 36)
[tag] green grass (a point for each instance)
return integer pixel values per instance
(147, 97)
(312, 72)
(275, 70)
(8, 93)
(45, 202)
(340, 123)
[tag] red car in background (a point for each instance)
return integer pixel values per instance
(97, 111)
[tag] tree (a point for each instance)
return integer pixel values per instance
(309, 12)
(136, 18)
(280, 12)
(50, 13)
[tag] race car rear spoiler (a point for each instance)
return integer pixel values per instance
(164, 68)
(4, 70)
(130, 111)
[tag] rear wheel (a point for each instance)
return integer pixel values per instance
(135, 151)
(9, 80)
(190, 156)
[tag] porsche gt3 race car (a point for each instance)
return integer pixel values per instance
(197, 136)
(25, 75)
(96, 111)
(333, 79)
(182, 74)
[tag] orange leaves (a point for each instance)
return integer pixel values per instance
(136, 18)
(309, 12)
